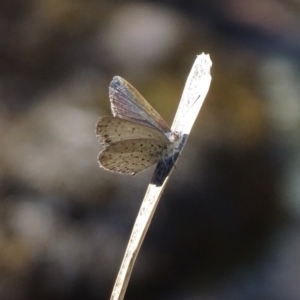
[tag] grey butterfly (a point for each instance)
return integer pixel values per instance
(136, 137)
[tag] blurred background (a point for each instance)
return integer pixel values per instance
(228, 224)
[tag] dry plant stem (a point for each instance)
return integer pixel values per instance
(194, 93)
(139, 230)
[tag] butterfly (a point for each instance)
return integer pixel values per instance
(136, 137)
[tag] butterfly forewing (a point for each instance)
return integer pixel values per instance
(111, 130)
(127, 103)
(132, 156)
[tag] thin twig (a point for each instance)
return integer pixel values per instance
(194, 93)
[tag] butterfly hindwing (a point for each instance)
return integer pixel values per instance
(132, 156)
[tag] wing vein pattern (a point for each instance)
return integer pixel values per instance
(127, 103)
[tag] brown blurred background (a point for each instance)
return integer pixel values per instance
(228, 225)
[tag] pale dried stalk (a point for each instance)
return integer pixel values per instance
(194, 93)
